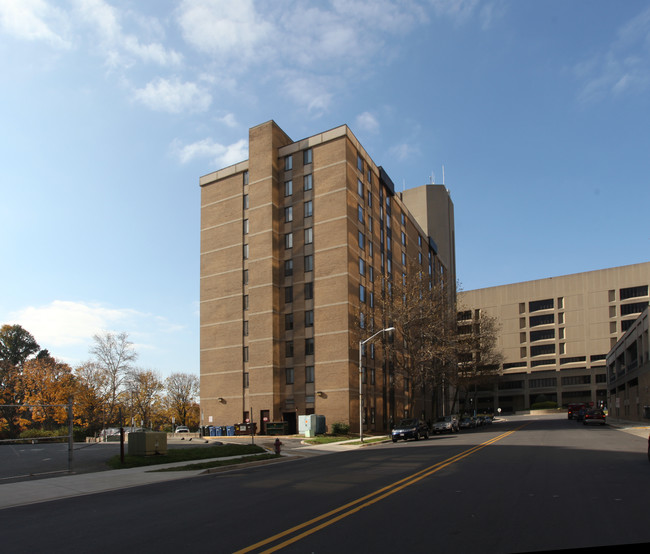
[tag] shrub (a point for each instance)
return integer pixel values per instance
(548, 405)
(340, 428)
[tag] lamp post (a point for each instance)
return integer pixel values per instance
(361, 343)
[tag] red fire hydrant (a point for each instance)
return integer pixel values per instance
(278, 446)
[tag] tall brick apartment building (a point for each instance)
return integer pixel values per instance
(295, 243)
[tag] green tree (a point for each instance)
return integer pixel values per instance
(16, 346)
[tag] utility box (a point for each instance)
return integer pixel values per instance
(311, 425)
(147, 443)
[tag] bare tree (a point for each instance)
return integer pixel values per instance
(114, 354)
(423, 314)
(479, 358)
(143, 389)
(182, 391)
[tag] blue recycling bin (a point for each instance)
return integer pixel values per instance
(213, 431)
(230, 430)
(219, 431)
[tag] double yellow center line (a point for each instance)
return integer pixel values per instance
(352, 507)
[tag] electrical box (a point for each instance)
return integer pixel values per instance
(147, 443)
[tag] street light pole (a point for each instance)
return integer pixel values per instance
(361, 343)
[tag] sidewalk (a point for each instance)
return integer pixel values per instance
(42, 490)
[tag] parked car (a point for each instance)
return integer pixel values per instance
(574, 408)
(410, 429)
(594, 416)
(446, 424)
(467, 423)
(182, 429)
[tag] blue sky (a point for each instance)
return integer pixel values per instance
(111, 110)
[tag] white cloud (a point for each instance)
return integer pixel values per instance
(367, 122)
(229, 120)
(173, 96)
(118, 46)
(221, 155)
(623, 68)
(458, 10)
(223, 28)
(33, 20)
(64, 323)
(403, 151)
(66, 328)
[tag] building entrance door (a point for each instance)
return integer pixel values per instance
(291, 419)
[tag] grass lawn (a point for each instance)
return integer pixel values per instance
(324, 439)
(185, 454)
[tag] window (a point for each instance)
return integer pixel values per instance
(371, 274)
(361, 240)
(288, 214)
(309, 263)
(245, 177)
(360, 213)
(245, 277)
(246, 381)
(542, 335)
(288, 268)
(359, 163)
(245, 330)
(288, 295)
(307, 156)
(288, 322)
(309, 209)
(288, 240)
(362, 320)
(309, 347)
(308, 182)
(369, 198)
(540, 305)
(637, 307)
(245, 201)
(309, 318)
(289, 375)
(403, 236)
(288, 349)
(419, 240)
(362, 293)
(288, 163)
(309, 374)
(362, 266)
(370, 249)
(536, 320)
(633, 292)
(403, 258)
(309, 291)
(245, 353)
(369, 175)
(288, 188)
(543, 349)
(371, 299)
(245, 226)
(245, 302)
(360, 188)
(309, 235)
(245, 251)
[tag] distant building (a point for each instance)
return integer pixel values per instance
(296, 242)
(628, 373)
(556, 333)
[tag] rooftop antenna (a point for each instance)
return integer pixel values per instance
(432, 178)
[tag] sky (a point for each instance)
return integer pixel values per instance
(111, 110)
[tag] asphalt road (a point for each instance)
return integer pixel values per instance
(517, 486)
